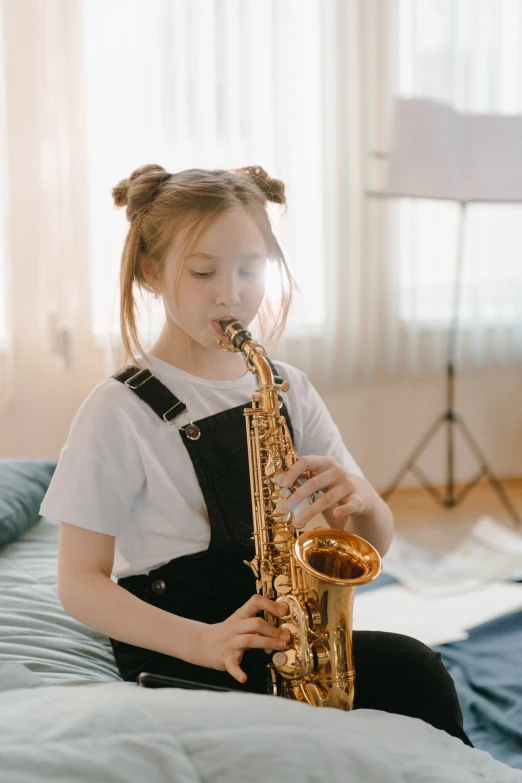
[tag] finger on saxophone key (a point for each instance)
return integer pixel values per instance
(282, 506)
(279, 608)
(282, 640)
(260, 603)
(284, 609)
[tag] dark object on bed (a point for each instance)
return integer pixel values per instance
(148, 680)
(23, 484)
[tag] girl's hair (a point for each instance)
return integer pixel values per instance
(161, 205)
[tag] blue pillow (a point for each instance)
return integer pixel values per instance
(23, 484)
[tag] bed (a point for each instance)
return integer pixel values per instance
(65, 714)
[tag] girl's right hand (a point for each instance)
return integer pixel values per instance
(226, 642)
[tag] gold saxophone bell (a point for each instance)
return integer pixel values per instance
(334, 563)
(313, 573)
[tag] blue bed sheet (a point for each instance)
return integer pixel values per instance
(487, 671)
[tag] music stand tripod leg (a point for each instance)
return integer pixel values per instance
(413, 457)
(486, 471)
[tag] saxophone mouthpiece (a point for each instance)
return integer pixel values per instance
(226, 322)
(236, 332)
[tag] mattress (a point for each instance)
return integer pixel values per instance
(35, 631)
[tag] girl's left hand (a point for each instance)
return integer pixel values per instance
(352, 493)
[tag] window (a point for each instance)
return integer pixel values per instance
(467, 54)
(209, 84)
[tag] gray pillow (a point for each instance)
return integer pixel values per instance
(23, 484)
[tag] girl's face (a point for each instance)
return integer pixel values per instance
(223, 277)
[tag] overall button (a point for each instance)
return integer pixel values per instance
(158, 586)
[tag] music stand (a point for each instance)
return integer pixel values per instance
(437, 153)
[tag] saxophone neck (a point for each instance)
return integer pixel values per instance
(238, 338)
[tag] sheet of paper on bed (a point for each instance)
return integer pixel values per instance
(433, 620)
(489, 551)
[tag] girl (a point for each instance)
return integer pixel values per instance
(165, 509)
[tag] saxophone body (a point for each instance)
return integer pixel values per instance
(314, 573)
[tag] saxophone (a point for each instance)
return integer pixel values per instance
(313, 573)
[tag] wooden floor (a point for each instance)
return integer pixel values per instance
(422, 520)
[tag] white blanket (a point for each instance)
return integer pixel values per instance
(120, 733)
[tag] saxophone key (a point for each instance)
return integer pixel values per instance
(272, 681)
(315, 694)
(283, 540)
(290, 627)
(283, 584)
(285, 662)
(285, 492)
(270, 468)
(254, 565)
(321, 655)
(315, 616)
(281, 519)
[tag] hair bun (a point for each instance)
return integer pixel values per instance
(273, 189)
(139, 190)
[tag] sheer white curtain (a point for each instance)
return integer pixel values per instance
(223, 83)
(6, 346)
(466, 53)
(208, 84)
(302, 87)
(42, 269)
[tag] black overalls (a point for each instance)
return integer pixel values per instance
(394, 673)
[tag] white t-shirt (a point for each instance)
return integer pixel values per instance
(126, 473)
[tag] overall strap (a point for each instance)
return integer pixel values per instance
(152, 391)
(277, 377)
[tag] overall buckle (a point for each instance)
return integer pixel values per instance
(171, 419)
(129, 383)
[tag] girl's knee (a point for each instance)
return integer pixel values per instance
(398, 673)
(394, 642)
(403, 653)
(414, 649)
